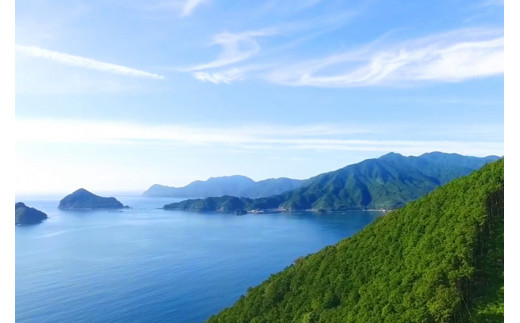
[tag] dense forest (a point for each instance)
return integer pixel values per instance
(437, 259)
(387, 182)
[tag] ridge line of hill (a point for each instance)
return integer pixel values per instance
(383, 183)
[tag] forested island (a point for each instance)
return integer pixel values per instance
(27, 215)
(382, 183)
(437, 259)
(83, 199)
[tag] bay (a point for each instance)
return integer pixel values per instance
(146, 264)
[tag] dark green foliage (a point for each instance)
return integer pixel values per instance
(489, 283)
(27, 215)
(223, 204)
(83, 199)
(438, 259)
(387, 182)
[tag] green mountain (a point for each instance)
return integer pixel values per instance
(27, 215)
(387, 182)
(236, 185)
(83, 199)
(437, 259)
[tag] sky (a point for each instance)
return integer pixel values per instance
(118, 95)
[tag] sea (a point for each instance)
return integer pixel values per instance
(146, 264)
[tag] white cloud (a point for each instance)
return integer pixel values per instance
(314, 137)
(453, 56)
(235, 48)
(83, 62)
(242, 46)
(460, 61)
(189, 6)
(72, 130)
(227, 76)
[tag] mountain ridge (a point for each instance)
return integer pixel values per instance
(387, 182)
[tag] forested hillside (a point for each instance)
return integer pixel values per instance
(438, 259)
(387, 182)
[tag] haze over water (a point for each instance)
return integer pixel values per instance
(147, 264)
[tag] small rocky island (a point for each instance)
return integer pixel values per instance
(27, 215)
(85, 200)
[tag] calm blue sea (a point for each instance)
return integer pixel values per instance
(149, 265)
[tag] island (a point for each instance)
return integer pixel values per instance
(27, 215)
(85, 200)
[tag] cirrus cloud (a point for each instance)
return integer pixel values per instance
(189, 6)
(84, 62)
(448, 57)
(227, 76)
(236, 47)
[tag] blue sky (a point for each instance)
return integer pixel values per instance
(118, 95)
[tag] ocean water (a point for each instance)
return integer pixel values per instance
(146, 264)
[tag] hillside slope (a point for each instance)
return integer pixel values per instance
(387, 182)
(438, 259)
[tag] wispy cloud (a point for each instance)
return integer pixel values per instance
(189, 6)
(236, 47)
(73, 130)
(84, 62)
(244, 46)
(448, 57)
(226, 76)
(313, 137)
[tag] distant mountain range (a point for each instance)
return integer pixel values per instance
(236, 185)
(387, 182)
